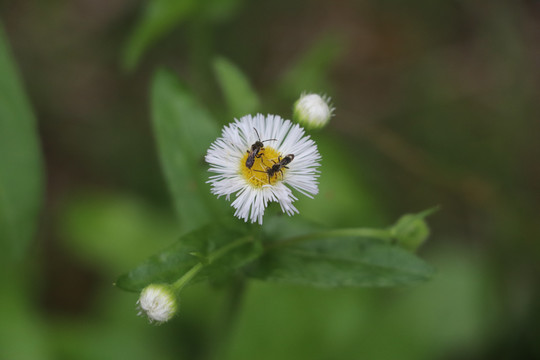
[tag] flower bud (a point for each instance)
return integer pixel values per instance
(411, 230)
(158, 302)
(312, 110)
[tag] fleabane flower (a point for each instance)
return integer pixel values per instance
(312, 110)
(158, 302)
(259, 159)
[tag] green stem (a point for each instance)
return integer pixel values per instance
(224, 329)
(381, 234)
(188, 276)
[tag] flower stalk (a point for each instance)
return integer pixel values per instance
(179, 284)
(159, 302)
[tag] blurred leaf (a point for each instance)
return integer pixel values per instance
(99, 227)
(170, 264)
(319, 324)
(217, 10)
(411, 230)
(461, 297)
(342, 262)
(310, 71)
(159, 17)
(240, 96)
(183, 131)
(451, 315)
(23, 334)
(21, 177)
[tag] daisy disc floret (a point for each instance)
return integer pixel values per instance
(313, 110)
(158, 302)
(288, 159)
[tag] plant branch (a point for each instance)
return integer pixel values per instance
(190, 274)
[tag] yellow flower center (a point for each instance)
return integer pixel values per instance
(258, 175)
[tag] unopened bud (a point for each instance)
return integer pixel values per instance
(158, 302)
(313, 111)
(411, 230)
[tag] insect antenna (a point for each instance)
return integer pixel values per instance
(259, 137)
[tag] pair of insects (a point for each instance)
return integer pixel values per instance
(256, 152)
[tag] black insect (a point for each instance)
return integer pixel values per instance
(278, 166)
(255, 151)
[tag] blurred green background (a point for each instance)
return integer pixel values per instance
(437, 103)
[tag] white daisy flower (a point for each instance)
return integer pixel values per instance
(157, 302)
(313, 111)
(256, 157)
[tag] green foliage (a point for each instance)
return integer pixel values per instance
(20, 326)
(159, 17)
(438, 103)
(452, 311)
(342, 262)
(21, 169)
(284, 251)
(334, 258)
(183, 131)
(191, 249)
(241, 98)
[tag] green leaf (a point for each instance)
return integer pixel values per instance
(411, 230)
(21, 168)
(159, 17)
(183, 131)
(190, 250)
(342, 262)
(23, 333)
(240, 96)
